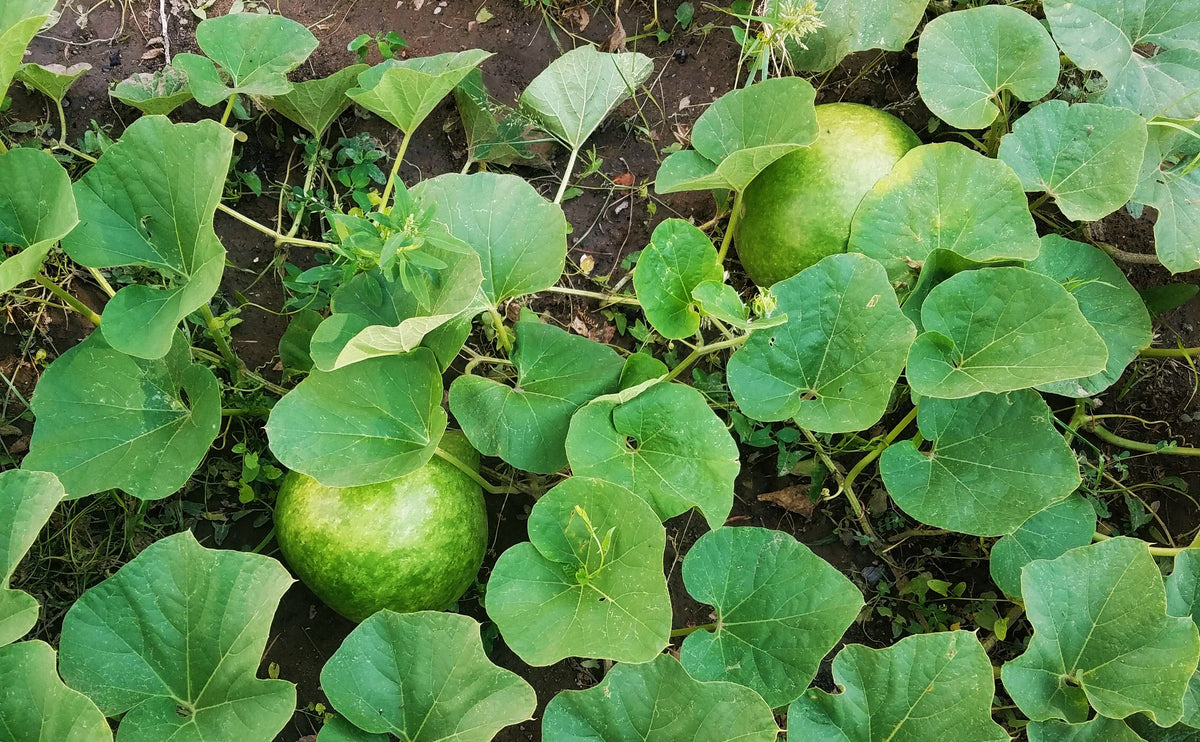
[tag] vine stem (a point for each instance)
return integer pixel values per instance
(102, 282)
(703, 350)
(214, 331)
(62, 123)
(607, 298)
(677, 633)
(1162, 551)
(228, 109)
(734, 216)
(847, 484)
(1108, 436)
(391, 181)
(69, 300)
(457, 463)
(308, 180)
(262, 381)
(1168, 352)
(279, 237)
(562, 187)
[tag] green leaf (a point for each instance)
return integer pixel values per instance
(51, 80)
(404, 91)
(423, 677)
(577, 91)
(1164, 298)
(376, 315)
(832, 365)
(658, 702)
(741, 134)
(173, 640)
(27, 498)
(678, 259)
(925, 688)
(1171, 185)
(780, 609)
(665, 445)
(337, 729)
(254, 52)
(1000, 329)
(561, 595)
(1109, 303)
(640, 368)
(939, 265)
(720, 300)
(370, 422)
(1099, 729)
(150, 201)
(20, 20)
(1086, 156)
(965, 58)
(35, 705)
(155, 93)
(521, 238)
(35, 216)
(1151, 732)
(1101, 636)
(1114, 38)
(943, 196)
(495, 132)
(315, 104)
(295, 345)
(106, 419)
(850, 26)
(526, 424)
(1047, 534)
(995, 461)
(1183, 599)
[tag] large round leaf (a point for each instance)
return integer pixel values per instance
(588, 583)
(315, 104)
(106, 419)
(925, 688)
(52, 80)
(665, 445)
(20, 21)
(1183, 599)
(780, 609)
(1102, 637)
(521, 237)
(1109, 303)
(404, 91)
(254, 51)
(370, 422)
(1086, 156)
(35, 706)
(1047, 534)
(425, 678)
(939, 265)
(26, 500)
(156, 93)
(658, 702)
(996, 459)
(1171, 184)
(173, 641)
(832, 365)
(150, 201)
(850, 26)
(34, 216)
(943, 196)
(741, 134)
(1099, 729)
(526, 424)
(1000, 329)
(965, 58)
(678, 259)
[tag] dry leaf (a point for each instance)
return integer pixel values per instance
(793, 499)
(154, 53)
(625, 179)
(616, 40)
(579, 16)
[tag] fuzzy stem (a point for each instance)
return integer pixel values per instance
(77, 153)
(228, 109)
(1109, 437)
(62, 123)
(702, 350)
(279, 238)
(677, 633)
(457, 463)
(391, 181)
(308, 179)
(562, 187)
(878, 450)
(606, 298)
(734, 216)
(214, 331)
(69, 300)
(1162, 551)
(102, 282)
(1169, 352)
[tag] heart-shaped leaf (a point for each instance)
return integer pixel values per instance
(577, 91)
(248, 53)
(925, 688)
(1183, 599)
(848, 26)
(423, 677)
(1171, 185)
(154, 93)
(780, 609)
(315, 104)
(366, 423)
(495, 132)
(20, 21)
(1150, 53)
(665, 445)
(943, 196)
(150, 201)
(521, 238)
(27, 498)
(965, 58)
(404, 91)
(106, 419)
(1000, 329)
(832, 365)
(995, 461)
(741, 134)
(588, 583)
(1109, 303)
(720, 300)
(939, 265)
(35, 216)
(658, 702)
(1086, 156)
(526, 425)
(35, 705)
(51, 80)
(1099, 729)
(678, 259)
(1047, 534)
(173, 641)
(1102, 637)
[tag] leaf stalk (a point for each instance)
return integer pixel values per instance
(68, 299)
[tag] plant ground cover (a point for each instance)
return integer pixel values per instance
(915, 578)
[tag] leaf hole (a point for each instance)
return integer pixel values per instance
(631, 444)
